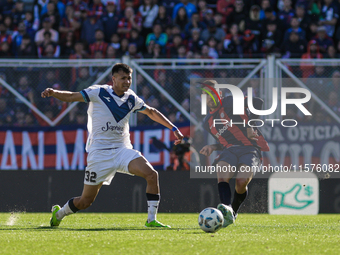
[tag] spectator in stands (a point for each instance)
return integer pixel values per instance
(6, 113)
(27, 48)
(97, 9)
(53, 14)
(31, 26)
(5, 50)
(181, 18)
(294, 26)
(90, 25)
(129, 3)
(137, 39)
(264, 5)
(51, 50)
(334, 84)
(47, 27)
(271, 39)
(253, 22)
(286, 14)
(124, 45)
(163, 18)
(115, 41)
(99, 44)
(70, 24)
(38, 6)
(225, 7)
(4, 35)
(48, 48)
(83, 81)
(323, 40)
(294, 47)
(330, 16)
(212, 30)
(270, 16)
(172, 48)
(195, 43)
(78, 7)
(233, 42)
(17, 37)
(204, 12)
(8, 7)
(332, 54)
(238, 15)
(48, 80)
(110, 52)
(67, 45)
(18, 13)
(59, 7)
(132, 51)
(79, 51)
(312, 52)
(302, 16)
(212, 43)
(110, 20)
(24, 89)
(194, 23)
(311, 32)
(333, 102)
(189, 7)
(128, 22)
(149, 11)
(157, 36)
(9, 24)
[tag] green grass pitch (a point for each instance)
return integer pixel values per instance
(123, 233)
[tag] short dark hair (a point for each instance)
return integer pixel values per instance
(121, 67)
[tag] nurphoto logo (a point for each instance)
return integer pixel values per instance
(239, 106)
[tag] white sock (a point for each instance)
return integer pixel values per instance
(152, 209)
(66, 210)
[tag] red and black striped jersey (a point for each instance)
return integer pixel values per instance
(232, 132)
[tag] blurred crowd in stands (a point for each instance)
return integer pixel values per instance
(169, 28)
(156, 29)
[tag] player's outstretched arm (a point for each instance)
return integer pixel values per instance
(155, 115)
(65, 96)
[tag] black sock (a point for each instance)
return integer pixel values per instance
(72, 206)
(152, 197)
(238, 200)
(224, 192)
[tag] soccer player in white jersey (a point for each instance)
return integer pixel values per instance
(109, 147)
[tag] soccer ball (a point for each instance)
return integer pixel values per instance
(210, 220)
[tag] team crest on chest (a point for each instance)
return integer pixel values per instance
(222, 115)
(130, 104)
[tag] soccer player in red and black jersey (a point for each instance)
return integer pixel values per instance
(240, 147)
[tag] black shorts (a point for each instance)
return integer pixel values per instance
(236, 155)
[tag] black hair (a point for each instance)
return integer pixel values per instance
(121, 67)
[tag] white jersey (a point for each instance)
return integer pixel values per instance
(108, 116)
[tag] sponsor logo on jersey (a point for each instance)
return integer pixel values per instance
(112, 128)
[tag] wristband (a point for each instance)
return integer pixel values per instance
(174, 129)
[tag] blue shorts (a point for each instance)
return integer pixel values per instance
(236, 155)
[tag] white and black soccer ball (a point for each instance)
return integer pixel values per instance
(210, 220)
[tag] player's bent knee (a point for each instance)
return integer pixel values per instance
(152, 177)
(241, 183)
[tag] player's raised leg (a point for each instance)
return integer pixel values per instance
(241, 186)
(75, 204)
(224, 191)
(141, 167)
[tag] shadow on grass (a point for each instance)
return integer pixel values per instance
(44, 228)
